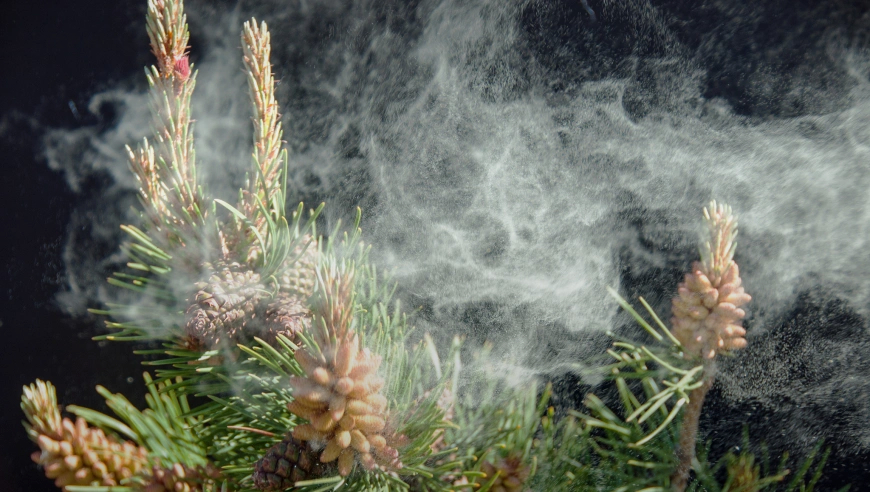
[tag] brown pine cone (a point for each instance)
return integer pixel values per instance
(285, 314)
(286, 463)
(512, 474)
(234, 305)
(222, 307)
(298, 275)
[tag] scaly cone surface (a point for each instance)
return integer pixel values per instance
(224, 305)
(286, 463)
(298, 275)
(234, 304)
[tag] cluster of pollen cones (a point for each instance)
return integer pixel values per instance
(340, 398)
(707, 317)
(77, 454)
(73, 453)
(707, 314)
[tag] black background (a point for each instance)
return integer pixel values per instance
(53, 53)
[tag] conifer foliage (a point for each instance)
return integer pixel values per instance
(306, 373)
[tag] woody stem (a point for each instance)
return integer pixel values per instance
(689, 429)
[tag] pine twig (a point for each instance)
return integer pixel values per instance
(689, 430)
(268, 156)
(708, 320)
(167, 171)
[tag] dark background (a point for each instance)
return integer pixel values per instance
(67, 51)
(53, 53)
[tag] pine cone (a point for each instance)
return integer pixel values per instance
(286, 463)
(224, 305)
(286, 315)
(179, 478)
(234, 305)
(512, 474)
(707, 315)
(75, 453)
(346, 413)
(298, 276)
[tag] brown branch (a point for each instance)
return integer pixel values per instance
(689, 430)
(251, 429)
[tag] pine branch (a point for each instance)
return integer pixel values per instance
(634, 446)
(268, 156)
(167, 31)
(708, 320)
(167, 172)
(314, 379)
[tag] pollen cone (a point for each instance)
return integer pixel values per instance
(339, 395)
(346, 413)
(74, 453)
(707, 314)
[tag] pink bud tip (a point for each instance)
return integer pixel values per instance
(182, 68)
